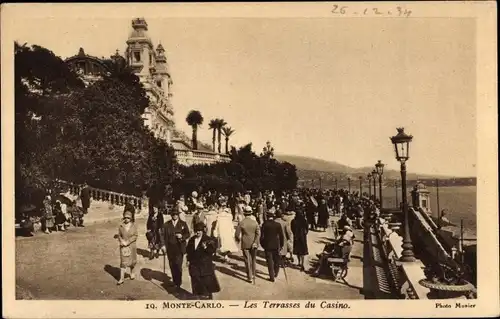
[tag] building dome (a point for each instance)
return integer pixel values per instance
(420, 187)
(139, 31)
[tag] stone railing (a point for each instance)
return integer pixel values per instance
(404, 276)
(102, 195)
(424, 236)
(191, 157)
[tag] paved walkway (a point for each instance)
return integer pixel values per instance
(82, 264)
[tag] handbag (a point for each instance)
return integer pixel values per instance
(126, 251)
(149, 235)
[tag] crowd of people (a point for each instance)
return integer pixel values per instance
(222, 225)
(55, 213)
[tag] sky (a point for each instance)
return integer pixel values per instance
(334, 89)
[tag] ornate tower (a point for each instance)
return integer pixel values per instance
(151, 67)
(162, 71)
(140, 52)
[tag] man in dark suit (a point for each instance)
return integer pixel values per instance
(173, 240)
(272, 240)
(85, 197)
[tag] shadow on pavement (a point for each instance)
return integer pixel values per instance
(113, 271)
(324, 242)
(231, 273)
(259, 254)
(167, 284)
(143, 252)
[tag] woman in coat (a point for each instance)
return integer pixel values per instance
(127, 237)
(300, 229)
(48, 216)
(323, 215)
(60, 218)
(200, 251)
(154, 226)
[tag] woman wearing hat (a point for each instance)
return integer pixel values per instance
(300, 229)
(224, 230)
(153, 227)
(200, 251)
(127, 237)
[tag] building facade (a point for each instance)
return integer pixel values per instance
(151, 66)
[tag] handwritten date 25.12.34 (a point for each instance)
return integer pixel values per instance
(371, 11)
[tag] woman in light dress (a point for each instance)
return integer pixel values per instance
(127, 237)
(182, 208)
(48, 217)
(225, 230)
(210, 220)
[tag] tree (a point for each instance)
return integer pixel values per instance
(220, 125)
(194, 119)
(78, 133)
(213, 126)
(227, 131)
(268, 150)
(41, 81)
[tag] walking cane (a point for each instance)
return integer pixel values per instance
(253, 275)
(164, 253)
(284, 269)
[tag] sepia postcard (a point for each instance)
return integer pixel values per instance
(230, 160)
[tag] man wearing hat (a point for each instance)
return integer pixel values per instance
(175, 235)
(248, 234)
(85, 197)
(281, 218)
(272, 240)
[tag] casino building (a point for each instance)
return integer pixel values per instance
(151, 66)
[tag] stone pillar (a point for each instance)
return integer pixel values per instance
(421, 197)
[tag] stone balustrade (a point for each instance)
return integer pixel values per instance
(192, 157)
(102, 195)
(404, 276)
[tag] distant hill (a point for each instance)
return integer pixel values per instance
(312, 168)
(313, 164)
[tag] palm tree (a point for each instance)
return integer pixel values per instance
(220, 124)
(227, 131)
(268, 150)
(213, 126)
(194, 119)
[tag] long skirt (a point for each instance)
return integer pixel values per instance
(49, 221)
(204, 285)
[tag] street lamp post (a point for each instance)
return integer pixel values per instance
(369, 176)
(361, 186)
(374, 174)
(401, 143)
(336, 184)
(396, 188)
(349, 184)
(380, 171)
